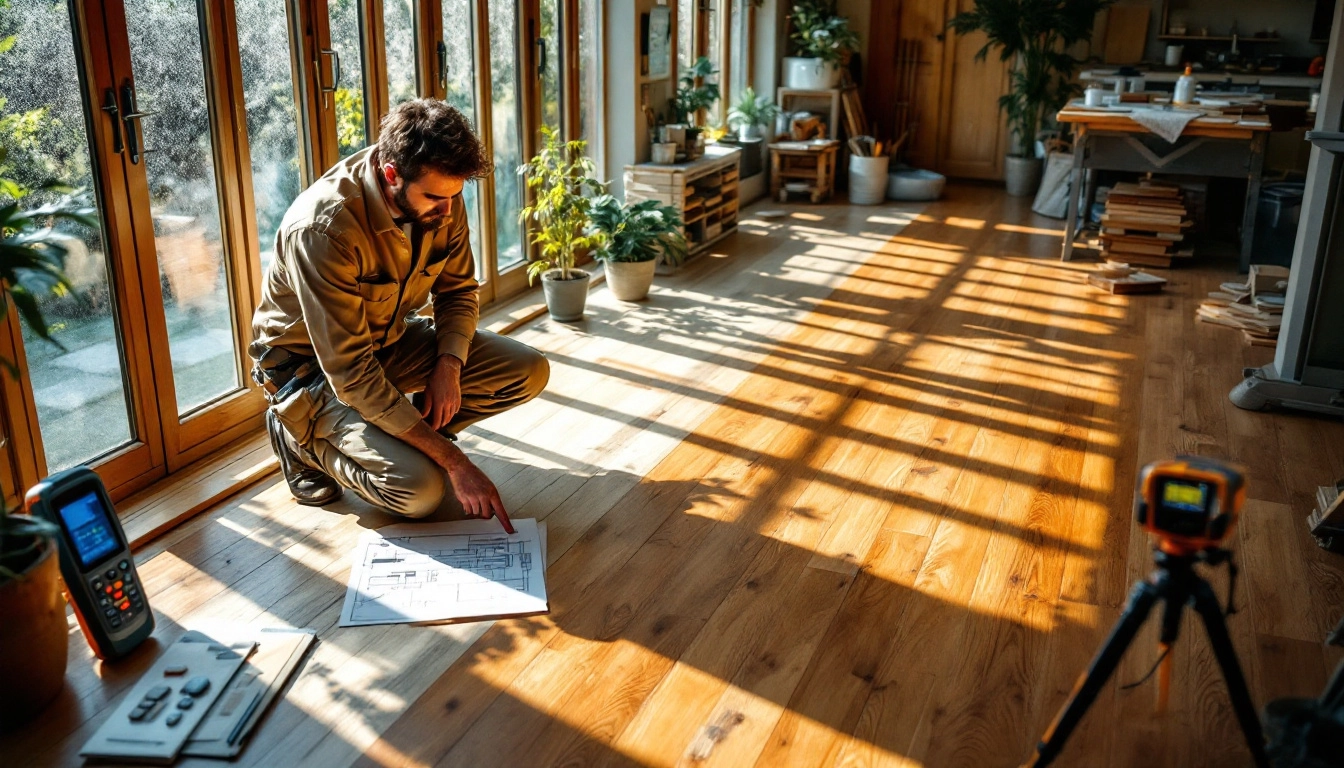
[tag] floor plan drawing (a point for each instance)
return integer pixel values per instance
(442, 571)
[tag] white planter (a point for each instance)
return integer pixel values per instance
(867, 179)
(810, 74)
(565, 299)
(749, 132)
(630, 280)
(1022, 175)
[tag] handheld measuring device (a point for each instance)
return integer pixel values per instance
(96, 563)
(1189, 503)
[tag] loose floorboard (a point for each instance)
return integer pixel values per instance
(854, 489)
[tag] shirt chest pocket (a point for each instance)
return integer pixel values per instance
(380, 299)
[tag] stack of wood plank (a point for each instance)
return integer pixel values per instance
(1254, 307)
(1144, 224)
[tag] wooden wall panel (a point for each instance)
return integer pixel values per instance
(974, 133)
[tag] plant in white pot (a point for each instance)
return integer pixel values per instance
(633, 238)
(33, 634)
(1035, 36)
(560, 178)
(696, 92)
(821, 40)
(750, 113)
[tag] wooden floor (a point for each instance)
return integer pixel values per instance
(854, 490)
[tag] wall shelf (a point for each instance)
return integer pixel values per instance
(1220, 38)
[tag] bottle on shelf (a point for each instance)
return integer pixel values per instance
(1185, 88)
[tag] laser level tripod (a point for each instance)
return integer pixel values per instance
(1176, 584)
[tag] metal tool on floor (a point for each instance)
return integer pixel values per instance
(1189, 505)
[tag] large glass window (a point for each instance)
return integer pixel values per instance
(590, 77)
(348, 67)
(459, 86)
(399, 32)
(80, 386)
(506, 112)
(272, 120)
(548, 50)
(169, 67)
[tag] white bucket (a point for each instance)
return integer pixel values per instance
(867, 179)
(810, 74)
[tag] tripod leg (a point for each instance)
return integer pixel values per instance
(1089, 685)
(1207, 605)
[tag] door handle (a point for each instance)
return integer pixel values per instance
(130, 117)
(443, 65)
(541, 57)
(335, 69)
(110, 107)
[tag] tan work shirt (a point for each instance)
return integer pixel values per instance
(344, 280)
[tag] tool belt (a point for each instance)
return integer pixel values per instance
(280, 373)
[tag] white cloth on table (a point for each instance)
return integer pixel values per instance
(1167, 123)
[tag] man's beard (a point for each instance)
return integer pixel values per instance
(426, 223)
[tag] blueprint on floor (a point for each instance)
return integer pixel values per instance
(466, 569)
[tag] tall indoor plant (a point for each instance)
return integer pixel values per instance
(821, 40)
(560, 179)
(633, 238)
(1035, 36)
(750, 113)
(33, 631)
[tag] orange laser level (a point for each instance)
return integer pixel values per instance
(1189, 503)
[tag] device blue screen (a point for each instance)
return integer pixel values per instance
(90, 529)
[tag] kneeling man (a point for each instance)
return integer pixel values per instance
(340, 341)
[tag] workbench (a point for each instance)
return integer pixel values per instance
(1225, 147)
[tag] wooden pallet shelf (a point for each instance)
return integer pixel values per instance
(704, 192)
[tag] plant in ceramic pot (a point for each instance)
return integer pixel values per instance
(561, 181)
(695, 94)
(821, 39)
(1035, 36)
(33, 633)
(750, 113)
(633, 238)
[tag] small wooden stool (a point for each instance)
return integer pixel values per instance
(810, 160)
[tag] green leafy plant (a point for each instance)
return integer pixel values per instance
(31, 254)
(1034, 35)
(751, 110)
(638, 232)
(561, 180)
(820, 33)
(694, 92)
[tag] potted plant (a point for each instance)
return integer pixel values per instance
(33, 634)
(633, 238)
(560, 178)
(694, 95)
(821, 40)
(1034, 35)
(750, 113)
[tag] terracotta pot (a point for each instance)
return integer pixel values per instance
(630, 280)
(565, 299)
(33, 640)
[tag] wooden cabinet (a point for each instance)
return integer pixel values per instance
(930, 81)
(704, 190)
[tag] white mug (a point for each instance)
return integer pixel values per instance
(1174, 53)
(1092, 96)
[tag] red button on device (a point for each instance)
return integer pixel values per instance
(118, 595)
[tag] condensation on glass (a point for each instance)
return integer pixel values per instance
(169, 69)
(80, 391)
(399, 34)
(507, 118)
(272, 119)
(686, 32)
(351, 105)
(459, 84)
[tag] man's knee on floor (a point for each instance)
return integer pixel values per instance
(423, 495)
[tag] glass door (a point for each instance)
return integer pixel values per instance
(76, 399)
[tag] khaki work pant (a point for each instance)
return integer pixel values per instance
(500, 373)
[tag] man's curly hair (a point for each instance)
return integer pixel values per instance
(428, 133)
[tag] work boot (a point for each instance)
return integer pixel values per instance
(310, 487)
